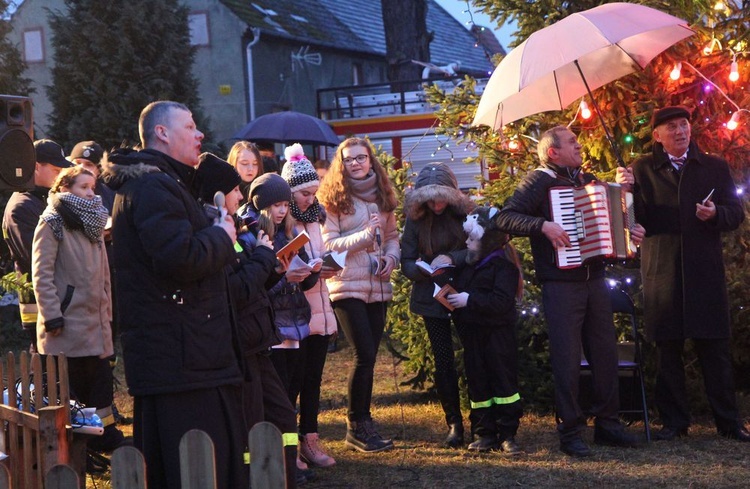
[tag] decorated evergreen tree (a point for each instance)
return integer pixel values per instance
(627, 103)
(111, 60)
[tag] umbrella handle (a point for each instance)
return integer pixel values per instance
(610, 138)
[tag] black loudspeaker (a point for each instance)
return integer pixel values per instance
(17, 155)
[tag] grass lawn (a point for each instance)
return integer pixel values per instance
(415, 421)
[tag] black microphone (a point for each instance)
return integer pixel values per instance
(372, 208)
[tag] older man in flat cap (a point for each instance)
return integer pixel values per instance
(685, 199)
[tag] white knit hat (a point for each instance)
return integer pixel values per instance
(298, 171)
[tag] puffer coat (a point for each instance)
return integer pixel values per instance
(350, 232)
(322, 320)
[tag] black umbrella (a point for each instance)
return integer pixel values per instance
(289, 127)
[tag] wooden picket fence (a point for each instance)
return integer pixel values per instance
(43, 451)
(36, 419)
(197, 462)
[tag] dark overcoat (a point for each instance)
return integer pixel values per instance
(177, 332)
(684, 285)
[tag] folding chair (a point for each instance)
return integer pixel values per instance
(630, 358)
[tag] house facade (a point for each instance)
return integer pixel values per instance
(254, 57)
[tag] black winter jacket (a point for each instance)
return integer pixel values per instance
(291, 310)
(19, 223)
(527, 210)
(177, 333)
(491, 285)
(435, 182)
(290, 306)
(256, 329)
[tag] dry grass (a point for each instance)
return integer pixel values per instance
(415, 421)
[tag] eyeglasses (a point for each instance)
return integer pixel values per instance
(359, 158)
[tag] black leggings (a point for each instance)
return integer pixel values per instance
(440, 333)
(363, 325)
(306, 384)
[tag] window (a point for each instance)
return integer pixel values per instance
(198, 23)
(357, 78)
(33, 46)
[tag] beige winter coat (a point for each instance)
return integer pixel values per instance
(71, 280)
(323, 321)
(349, 232)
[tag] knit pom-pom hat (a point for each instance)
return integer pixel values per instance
(298, 171)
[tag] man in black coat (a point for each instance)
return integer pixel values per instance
(176, 328)
(576, 300)
(685, 199)
(22, 215)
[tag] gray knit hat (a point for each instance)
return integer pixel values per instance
(269, 189)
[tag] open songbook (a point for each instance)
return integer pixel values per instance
(441, 293)
(335, 260)
(291, 248)
(433, 271)
(298, 263)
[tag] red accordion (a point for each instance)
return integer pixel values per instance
(597, 218)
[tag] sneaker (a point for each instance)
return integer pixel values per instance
(485, 443)
(510, 447)
(362, 436)
(312, 453)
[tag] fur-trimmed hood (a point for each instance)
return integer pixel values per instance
(127, 164)
(435, 181)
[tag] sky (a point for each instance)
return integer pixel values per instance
(456, 9)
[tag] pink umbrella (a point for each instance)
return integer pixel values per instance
(557, 65)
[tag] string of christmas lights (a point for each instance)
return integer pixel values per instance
(481, 29)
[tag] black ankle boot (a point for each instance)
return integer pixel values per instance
(364, 437)
(455, 438)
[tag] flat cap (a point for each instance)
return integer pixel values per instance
(668, 113)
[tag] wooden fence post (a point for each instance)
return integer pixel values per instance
(128, 469)
(5, 480)
(53, 437)
(61, 477)
(197, 464)
(266, 457)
